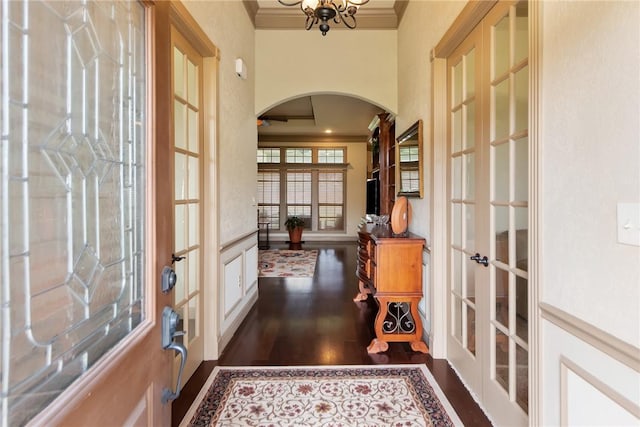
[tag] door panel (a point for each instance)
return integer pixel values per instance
(84, 205)
(188, 198)
(488, 126)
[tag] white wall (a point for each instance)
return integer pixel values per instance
(291, 63)
(229, 28)
(355, 197)
(591, 151)
(590, 119)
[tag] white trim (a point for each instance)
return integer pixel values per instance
(610, 345)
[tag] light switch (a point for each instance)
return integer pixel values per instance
(629, 223)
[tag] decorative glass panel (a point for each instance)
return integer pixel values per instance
(74, 140)
(456, 125)
(521, 42)
(500, 116)
(501, 47)
(471, 329)
(457, 318)
(502, 296)
(522, 307)
(521, 81)
(521, 148)
(470, 139)
(470, 74)
(502, 359)
(457, 83)
(501, 173)
(522, 378)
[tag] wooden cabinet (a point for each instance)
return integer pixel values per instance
(390, 268)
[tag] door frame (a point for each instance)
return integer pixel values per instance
(469, 17)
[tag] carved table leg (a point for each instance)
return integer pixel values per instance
(377, 346)
(364, 292)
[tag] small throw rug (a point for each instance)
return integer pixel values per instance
(287, 263)
(345, 396)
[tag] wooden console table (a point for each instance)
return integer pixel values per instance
(390, 268)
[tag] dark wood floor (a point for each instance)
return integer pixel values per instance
(315, 322)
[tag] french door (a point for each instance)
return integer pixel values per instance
(188, 198)
(487, 78)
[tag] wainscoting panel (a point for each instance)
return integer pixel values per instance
(238, 290)
(585, 379)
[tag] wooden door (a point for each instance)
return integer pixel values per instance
(488, 210)
(88, 119)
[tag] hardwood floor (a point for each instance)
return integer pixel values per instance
(315, 322)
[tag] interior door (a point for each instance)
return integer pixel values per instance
(488, 161)
(84, 229)
(187, 198)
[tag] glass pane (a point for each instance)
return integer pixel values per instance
(194, 177)
(458, 258)
(502, 359)
(457, 223)
(180, 178)
(193, 131)
(470, 226)
(501, 228)
(522, 99)
(181, 281)
(522, 308)
(192, 83)
(73, 190)
(180, 124)
(457, 318)
(521, 49)
(521, 157)
(457, 84)
(502, 297)
(470, 176)
(470, 140)
(192, 328)
(500, 111)
(522, 378)
(194, 270)
(178, 72)
(180, 240)
(501, 47)
(471, 329)
(470, 74)
(457, 130)
(194, 224)
(457, 178)
(501, 173)
(470, 283)
(182, 315)
(522, 237)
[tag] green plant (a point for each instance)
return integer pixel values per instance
(294, 221)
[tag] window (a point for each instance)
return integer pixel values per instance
(268, 155)
(310, 183)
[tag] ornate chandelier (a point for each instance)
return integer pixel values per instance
(323, 10)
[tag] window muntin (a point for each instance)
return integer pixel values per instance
(298, 155)
(268, 155)
(330, 155)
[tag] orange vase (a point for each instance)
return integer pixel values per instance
(295, 235)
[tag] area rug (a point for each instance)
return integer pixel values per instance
(346, 396)
(287, 263)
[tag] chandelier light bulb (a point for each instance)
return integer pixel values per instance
(322, 12)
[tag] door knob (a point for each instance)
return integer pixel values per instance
(484, 260)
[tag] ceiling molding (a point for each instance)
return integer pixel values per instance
(293, 18)
(400, 6)
(313, 138)
(251, 6)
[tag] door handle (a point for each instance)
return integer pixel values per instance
(170, 321)
(484, 260)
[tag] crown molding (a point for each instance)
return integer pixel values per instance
(313, 138)
(293, 18)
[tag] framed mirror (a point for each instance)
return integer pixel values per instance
(409, 161)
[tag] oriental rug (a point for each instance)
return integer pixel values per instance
(346, 396)
(287, 263)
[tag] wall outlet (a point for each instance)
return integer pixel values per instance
(629, 223)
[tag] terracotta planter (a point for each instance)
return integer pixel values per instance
(295, 235)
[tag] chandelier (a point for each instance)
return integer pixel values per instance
(324, 10)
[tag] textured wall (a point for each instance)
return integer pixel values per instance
(591, 161)
(229, 28)
(291, 63)
(423, 25)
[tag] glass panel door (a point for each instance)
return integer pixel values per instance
(188, 216)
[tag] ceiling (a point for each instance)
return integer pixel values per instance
(320, 117)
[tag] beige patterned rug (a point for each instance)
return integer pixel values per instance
(287, 263)
(397, 395)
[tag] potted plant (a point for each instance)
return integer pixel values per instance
(294, 225)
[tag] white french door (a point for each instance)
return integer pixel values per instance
(488, 233)
(188, 198)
